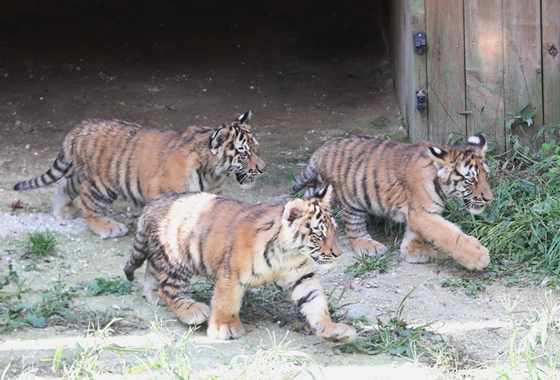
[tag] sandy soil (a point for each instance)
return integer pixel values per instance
(307, 75)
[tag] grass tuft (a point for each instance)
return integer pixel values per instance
(40, 244)
(277, 362)
(533, 350)
(395, 337)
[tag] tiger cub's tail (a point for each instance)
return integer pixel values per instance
(139, 250)
(59, 168)
(309, 179)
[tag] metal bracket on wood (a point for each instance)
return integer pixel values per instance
(421, 100)
(420, 44)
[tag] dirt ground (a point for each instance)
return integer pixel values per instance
(307, 75)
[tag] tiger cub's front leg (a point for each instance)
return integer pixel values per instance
(466, 249)
(226, 302)
(309, 296)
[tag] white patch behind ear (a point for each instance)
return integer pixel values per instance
(474, 140)
(245, 117)
(436, 151)
(438, 158)
(326, 197)
(479, 141)
(437, 155)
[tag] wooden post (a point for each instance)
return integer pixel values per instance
(446, 69)
(417, 80)
(522, 64)
(551, 61)
(484, 70)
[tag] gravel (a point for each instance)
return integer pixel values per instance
(14, 224)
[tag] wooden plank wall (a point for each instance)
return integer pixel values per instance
(522, 63)
(551, 60)
(484, 69)
(485, 60)
(399, 46)
(419, 80)
(446, 69)
(409, 69)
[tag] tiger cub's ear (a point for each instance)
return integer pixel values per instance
(245, 117)
(294, 211)
(218, 139)
(325, 194)
(478, 140)
(438, 155)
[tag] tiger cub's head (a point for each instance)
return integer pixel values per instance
(238, 150)
(311, 229)
(462, 172)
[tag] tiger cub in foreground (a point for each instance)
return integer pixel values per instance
(103, 159)
(240, 245)
(406, 183)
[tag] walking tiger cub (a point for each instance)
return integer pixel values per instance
(406, 183)
(240, 245)
(103, 159)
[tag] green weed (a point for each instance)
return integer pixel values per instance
(88, 363)
(169, 355)
(366, 263)
(40, 244)
(54, 308)
(533, 350)
(278, 362)
(292, 179)
(395, 337)
(472, 286)
(102, 286)
(13, 277)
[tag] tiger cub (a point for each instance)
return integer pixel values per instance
(240, 245)
(103, 159)
(406, 183)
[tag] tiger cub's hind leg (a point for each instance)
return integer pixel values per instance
(176, 295)
(69, 189)
(152, 292)
(414, 249)
(356, 230)
(93, 203)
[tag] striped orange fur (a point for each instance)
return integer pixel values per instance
(101, 160)
(406, 183)
(240, 245)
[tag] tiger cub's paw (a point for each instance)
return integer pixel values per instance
(195, 314)
(225, 330)
(66, 212)
(152, 295)
(368, 246)
(106, 228)
(416, 252)
(338, 332)
(473, 255)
